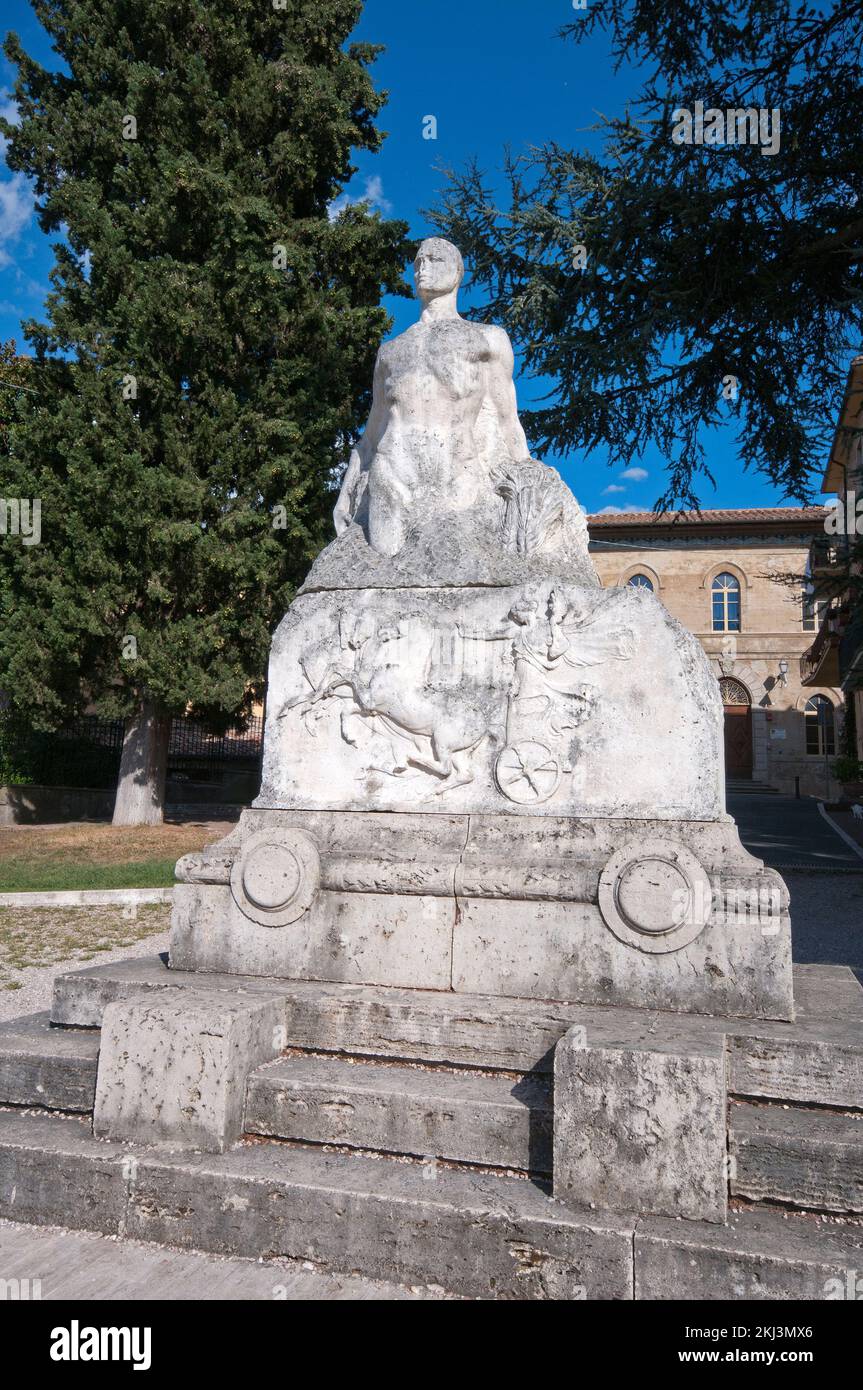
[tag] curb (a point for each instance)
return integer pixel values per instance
(89, 897)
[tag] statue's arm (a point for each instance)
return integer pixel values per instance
(356, 474)
(500, 391)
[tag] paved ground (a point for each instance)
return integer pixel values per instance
(823, 873)
(81, 1265)
(785, 832)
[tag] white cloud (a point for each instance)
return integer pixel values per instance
(636, 474)
(16, 209)
(618, 511)
(374, 196)
(612, 487)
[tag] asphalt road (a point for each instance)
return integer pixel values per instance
(787, 833)
(824, 875)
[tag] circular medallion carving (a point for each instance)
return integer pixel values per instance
(654, 895)
(276, 877)
(527, 772)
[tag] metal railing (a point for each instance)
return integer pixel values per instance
(86, 751)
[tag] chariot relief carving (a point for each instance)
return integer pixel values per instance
(451, 701)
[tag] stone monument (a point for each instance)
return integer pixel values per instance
(482, 771)
(488, 909)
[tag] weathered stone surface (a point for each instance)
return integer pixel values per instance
(45, 1066)
(520, 1034)
(490, 1119)
(392, 940)
(471, 1233)
(54, 1173)
(465, 553)
(809, 1158)
(639, 1130)
(81, 996)
(812, 1064)
(758, 1255)
(480, 1235)
(417, 706)
(173, 1068)
(469, 901)
(564, 950)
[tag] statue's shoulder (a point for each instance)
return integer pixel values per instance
(497, 340)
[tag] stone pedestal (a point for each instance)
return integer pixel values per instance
(605, 911)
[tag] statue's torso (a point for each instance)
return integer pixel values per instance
(434, 375)
(432, 380)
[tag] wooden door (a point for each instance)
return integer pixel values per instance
(738, 741)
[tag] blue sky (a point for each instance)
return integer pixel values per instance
(492, 73)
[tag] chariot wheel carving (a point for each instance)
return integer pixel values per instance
(527, 772)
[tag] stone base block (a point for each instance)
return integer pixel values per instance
(804, 1157)
(816, 1061)
(396, 939)
(641, 1128)
(667, 914)
(173, 1068)
(54, 1068)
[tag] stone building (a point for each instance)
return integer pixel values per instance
(720, 573)
(836, 654)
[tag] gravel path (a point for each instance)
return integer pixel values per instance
(37, 983)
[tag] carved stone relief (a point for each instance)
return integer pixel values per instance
(526, 703)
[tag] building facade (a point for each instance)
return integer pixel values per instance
(738, 580)
(836, 567)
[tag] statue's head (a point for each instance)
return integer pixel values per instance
(438, 268)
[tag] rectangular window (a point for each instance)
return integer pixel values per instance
(726, 611)
(813, 613)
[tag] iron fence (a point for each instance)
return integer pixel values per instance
(86, 752)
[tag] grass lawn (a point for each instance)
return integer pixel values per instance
(40, 936)
(79, 855)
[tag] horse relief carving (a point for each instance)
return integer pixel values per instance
(449, 700)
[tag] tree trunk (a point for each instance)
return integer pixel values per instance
(143, 768)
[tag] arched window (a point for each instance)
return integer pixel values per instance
(820, 726)
(726, 603)
(733, 692)
(639, 581)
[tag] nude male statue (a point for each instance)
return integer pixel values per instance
(443, 411)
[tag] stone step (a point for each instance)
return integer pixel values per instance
(809, 1158)
(54, 1068)
(817, 1060)
(494, 1119)
(757, 1256)
(740, 787)
(472, 1233)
